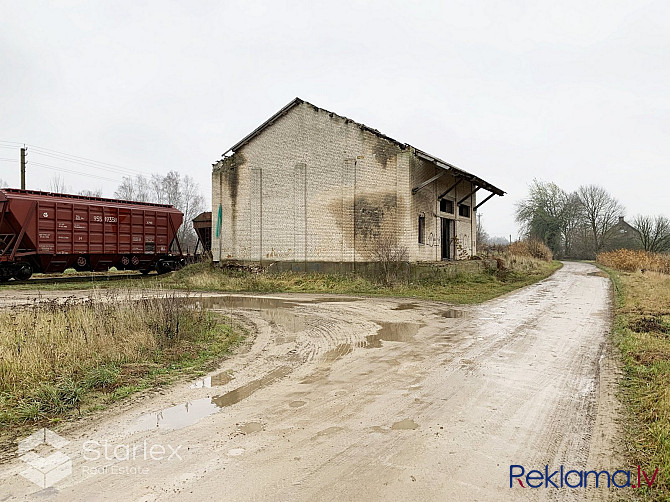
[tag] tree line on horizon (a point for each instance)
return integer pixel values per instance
(582, 223)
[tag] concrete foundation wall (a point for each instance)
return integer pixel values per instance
(414, 271)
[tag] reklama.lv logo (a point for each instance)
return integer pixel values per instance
(573, 478)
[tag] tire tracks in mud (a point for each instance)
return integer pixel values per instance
(370, 399)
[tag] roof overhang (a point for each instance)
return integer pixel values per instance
(460, 173)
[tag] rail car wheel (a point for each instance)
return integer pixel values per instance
(23, 272)
(135, 261)
(81, 263)
(125, 261)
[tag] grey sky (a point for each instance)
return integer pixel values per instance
(572, 92)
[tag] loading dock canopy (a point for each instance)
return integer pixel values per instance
(457, 173)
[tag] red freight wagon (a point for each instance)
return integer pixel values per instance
(49, 232)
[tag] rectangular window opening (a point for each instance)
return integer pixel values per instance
(422, 229)
(463, 210)
(447, 206)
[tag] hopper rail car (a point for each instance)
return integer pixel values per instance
(51, 232)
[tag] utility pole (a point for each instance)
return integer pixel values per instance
(23, 168)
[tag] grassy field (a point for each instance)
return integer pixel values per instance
(642, 333)
(61, 359)
(518, 271)
(466, 288)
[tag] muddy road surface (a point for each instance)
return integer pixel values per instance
(368, 399)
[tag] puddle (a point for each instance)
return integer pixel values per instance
(274, 310)
(213, 381)
(405, 306)
(392, 332)
(297, 404)
(333, 300)
(235, 396)
(250, 427)
(453, 313)
(287, 319)
(377, 429)
(328, 432)
(407, 424)
(242, 302)
(178, 416)
(185, 414)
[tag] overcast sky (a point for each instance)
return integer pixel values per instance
(571, 92)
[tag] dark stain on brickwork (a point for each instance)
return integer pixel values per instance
(384, 151)
(230, 175)
(370, 211)
(371, 214)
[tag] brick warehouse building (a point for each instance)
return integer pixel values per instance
(309, 188)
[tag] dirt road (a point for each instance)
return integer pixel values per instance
(370, 399)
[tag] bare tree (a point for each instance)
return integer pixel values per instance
(546, 214)
(599, 211)
(392, 258)
(180, 192)
(653, 232)
(482, 236)
(192, 204)
(134, 188)
(57, 184)
(91, 193)
(571, 216)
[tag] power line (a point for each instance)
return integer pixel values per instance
(70, 171)
(71, 158)
(82, 160)
(87, 164)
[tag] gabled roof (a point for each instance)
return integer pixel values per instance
(455, 171)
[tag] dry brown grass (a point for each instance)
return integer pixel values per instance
(532, 248)
(515, 272)
(628, 260)
(642, 332)
(54, 352)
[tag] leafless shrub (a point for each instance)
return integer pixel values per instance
(392, 259)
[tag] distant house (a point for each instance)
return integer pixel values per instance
(622, 236)
(309, 187)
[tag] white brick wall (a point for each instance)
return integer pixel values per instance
(316, 187)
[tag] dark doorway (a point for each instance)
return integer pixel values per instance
(445, 238)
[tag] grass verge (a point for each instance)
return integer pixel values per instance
(642, 333)
(63, 359)
(465, 288)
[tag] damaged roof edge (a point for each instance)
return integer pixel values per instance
(426, 156)
(456, 171)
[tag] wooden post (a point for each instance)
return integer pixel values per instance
(23, 168)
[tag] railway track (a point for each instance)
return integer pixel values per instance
(79, 278)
